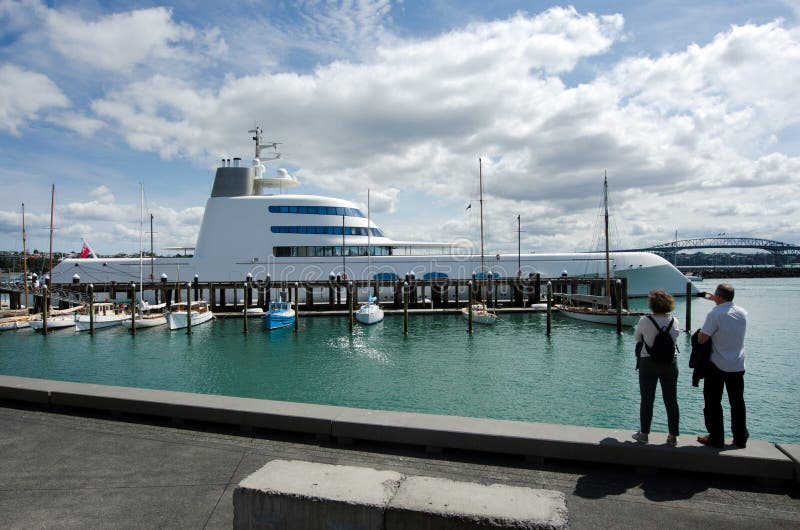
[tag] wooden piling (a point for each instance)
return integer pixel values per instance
(405, 308)
(350, 300)
(296, 307)
(688, 307)
(91, 309)
(188, 308)
(45, 303)
(469, 311)
(549, 308)
(618, 286)
(246, 304)
(133, 309)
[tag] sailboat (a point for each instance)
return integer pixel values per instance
(20, 320)
(600, 311)
(143, 314)
(370, 312)
(55, 319)
(480, 313)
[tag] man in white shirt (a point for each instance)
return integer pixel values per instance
(725, 326)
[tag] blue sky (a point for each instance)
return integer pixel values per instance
(691, 108)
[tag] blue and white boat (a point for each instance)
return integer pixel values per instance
(280, 315)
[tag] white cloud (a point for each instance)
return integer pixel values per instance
(23, 95)
(120, 41)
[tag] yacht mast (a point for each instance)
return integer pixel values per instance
(141, 234)
(50, 274)
(24, 258)
(369, 249)
(605, 208)
(480, 184)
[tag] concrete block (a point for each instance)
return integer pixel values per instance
(792, 451)
(26, 389)
(426, 503)
(294, 494)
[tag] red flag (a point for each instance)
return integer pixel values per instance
(85, 251)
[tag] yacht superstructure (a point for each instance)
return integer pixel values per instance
(251, 227)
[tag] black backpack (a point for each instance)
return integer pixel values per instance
(663, 348)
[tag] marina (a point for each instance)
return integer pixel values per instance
(582, 374)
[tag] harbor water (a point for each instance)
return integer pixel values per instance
(581, 375)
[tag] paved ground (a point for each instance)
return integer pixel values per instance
(69, 471)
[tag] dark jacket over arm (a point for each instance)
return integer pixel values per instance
(699, 359)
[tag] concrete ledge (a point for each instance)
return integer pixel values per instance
(541, 440)
(284, 416)
(425, 503)
(535, 441)
(294, 494)
(793, 452)
(26, 389)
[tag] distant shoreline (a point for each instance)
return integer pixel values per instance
(744, 272)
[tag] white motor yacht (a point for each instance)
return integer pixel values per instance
(252, 226)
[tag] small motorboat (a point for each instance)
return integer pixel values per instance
(279, 315)
(480, 314)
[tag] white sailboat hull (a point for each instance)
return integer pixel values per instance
(82, 322)
(600, 316)
(54, 322)
(178, 320)
(148, 322)
(369, 314)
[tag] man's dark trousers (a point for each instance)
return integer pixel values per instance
(733, 382)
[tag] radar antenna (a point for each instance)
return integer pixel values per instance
(259, 146)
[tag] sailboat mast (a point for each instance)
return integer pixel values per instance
(369, 249)
(152, 255)
(141, 234)
(480, 185)
(50, 274)
(24, 258)
(605, 208)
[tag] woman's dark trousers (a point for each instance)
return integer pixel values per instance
(650, 374)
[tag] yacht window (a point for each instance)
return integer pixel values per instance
(284, 209)
(302, 209)
(292, 209)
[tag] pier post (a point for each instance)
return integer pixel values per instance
(212, 296)
(405, 308)
(133, 309)
(688, 307)
(618, 287)
(246, 304)
(164, 289)
(249, 290)
(549, 308)
(350, 303)
(196, 285)
(296, 307)
(235, 298)
(331, 298)
(91, 309)
(456, 293)
(44, 308)
(469, 310)
(188, 308)
(309, 298)
(268, 292)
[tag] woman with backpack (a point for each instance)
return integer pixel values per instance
(657, 363)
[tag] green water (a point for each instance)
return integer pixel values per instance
(582, 375)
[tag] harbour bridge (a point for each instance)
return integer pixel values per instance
(777, 248)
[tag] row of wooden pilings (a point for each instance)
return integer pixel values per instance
(478, 289)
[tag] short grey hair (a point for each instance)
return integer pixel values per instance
(725, 291)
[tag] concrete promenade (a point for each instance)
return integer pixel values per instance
(90, 460)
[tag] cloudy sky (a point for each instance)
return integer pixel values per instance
(692, 109)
